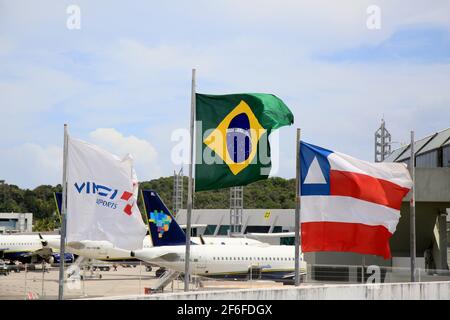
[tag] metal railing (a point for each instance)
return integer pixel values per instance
(137, 278)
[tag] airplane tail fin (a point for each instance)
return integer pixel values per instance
(164, 230)
(43, 241)
(58, 202)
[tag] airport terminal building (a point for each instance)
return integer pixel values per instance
(432, 159)
(14, 222)
(216, 222)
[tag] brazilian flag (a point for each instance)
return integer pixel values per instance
(232, 138)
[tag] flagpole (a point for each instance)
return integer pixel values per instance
(297, 211)
(190, 189)
(63, 217)
(413, 211)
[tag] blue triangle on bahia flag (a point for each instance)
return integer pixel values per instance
(315, 170)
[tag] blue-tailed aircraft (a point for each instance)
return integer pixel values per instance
(216, 261)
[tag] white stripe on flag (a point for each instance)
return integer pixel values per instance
(394, 172)
(348, 210)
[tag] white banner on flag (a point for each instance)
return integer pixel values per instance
(102, 192)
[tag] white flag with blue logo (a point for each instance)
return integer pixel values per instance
(102, 192)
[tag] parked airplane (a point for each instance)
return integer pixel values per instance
(216, 261)
(29, 249)
(104, 250)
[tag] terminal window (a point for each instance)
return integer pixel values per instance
(223, 230)
(257, 229)
(446, 156)
(210, 229)
(287, 241)
(277, 229)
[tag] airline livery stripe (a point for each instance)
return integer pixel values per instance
(348, 237)
(349, 210)
(368, 188)
(393, 172)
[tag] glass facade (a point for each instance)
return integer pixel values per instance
(223, 230)
(210, 229)
(257, 229)
(193, 231)
(277, 229)
(287, 241)
(406, 161)
(427, 160)
(8, 223)
(446, 156)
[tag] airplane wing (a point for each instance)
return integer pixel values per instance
(149, 255)
(292, 275)
(170, 257)
(43, 253)
(77, 245)
(56, 243)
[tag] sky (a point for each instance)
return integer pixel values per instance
(122, 80)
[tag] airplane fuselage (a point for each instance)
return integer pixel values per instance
(104, 250)
(273, 262)
(21, 247)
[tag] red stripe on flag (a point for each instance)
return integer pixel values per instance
(367, 188)
(345, 237)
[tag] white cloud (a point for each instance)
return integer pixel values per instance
(6, 46)
(144, 154)
(35, 89)
(320, 24)
(30, 165)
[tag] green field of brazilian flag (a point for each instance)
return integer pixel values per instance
(231, 131)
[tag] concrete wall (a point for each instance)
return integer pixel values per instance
(391, 291)
(432, 200)
(432, 185)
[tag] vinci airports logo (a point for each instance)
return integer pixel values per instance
(161, 220)
(107, 197)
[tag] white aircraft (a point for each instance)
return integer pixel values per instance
(263, 261)
(104, 250)
(30, 248)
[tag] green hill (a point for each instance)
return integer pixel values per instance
(273, 193)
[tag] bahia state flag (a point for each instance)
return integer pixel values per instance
(347, 204)
(233, 149)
